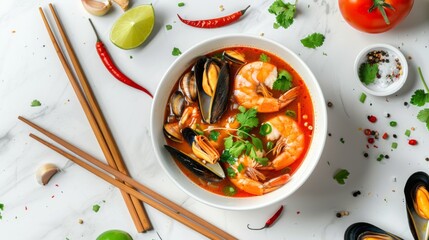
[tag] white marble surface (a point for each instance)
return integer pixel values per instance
(30, 69)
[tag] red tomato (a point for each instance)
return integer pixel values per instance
(357, 13)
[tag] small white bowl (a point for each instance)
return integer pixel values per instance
(161, 98)
(377, 89)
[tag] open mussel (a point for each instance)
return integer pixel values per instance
(417, 204)
(172, 131)
(203, 161)
(213, 83)
(366, 231)
(177, 103)
(234, 56)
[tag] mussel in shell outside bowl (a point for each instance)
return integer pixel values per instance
(162, 100)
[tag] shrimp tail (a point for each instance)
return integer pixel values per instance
(288, 96)
(275, 183)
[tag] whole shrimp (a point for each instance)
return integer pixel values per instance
(251, 88)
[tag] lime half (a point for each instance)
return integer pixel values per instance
(133, 27)
(114, 235)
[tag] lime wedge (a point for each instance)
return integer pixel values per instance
(133, 27)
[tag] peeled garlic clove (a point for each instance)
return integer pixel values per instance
(46, 172)
(97, 8)
(122, 3)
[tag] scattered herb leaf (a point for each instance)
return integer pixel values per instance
(380, 157)
(240, 168)
(214, 135)
(176, 51)
(36, 103)
(181, 4)
(313, 40)
(168, 27)
(368, 72)
(362, 97)
(283, 81)
(341, 175)
(1, 206)
(394, 145)
(419, 98)
(264, 58)
(285, 12)
(407, 133)
(95, 208)
(423, 116)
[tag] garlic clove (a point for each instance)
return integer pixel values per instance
(97, 8)
(123, 3)
(45, 172)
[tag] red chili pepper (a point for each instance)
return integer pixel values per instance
(385, 136)
(215, 22)
(270, 221)
(371, 140)
(110, 65)
(412, 142)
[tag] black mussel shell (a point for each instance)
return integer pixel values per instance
(419, 226)
(189, 135)
(360, 230)
(192, 165)
(212, 108)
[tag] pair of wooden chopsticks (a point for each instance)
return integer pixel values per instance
(146, 195)
(95, 118)
(120, 177)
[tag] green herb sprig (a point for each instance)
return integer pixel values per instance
(341, 175)
(285, 13)
(283, 81)
(420, 98)
(368, 72)
(313, 40)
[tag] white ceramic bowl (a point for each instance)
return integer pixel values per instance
(375, 89)
(160, 101)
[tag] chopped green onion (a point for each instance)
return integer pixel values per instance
(199, 132)
(231, 172)
(1, 206)
(269, 145)
(265, 129)
(181, 4)
(407, 133)
(380, 157)
(229, 191)
(394, 145)
(240, 167)
(214, 135)
(36, 103)
(290, 113)
(168, 27)
(362, 97)
(393, 124)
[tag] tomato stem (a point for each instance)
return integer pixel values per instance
(381, 5)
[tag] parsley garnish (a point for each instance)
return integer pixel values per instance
(247, 119)
(229, 190)
(264, 58)
(283, 81)
(313, 40)
(214, 135)
(368, 72)
(95, 208)
(285, 12)
(176, 52)
(231, 172)
(240, 168)
(341, 175)
(36, 103)
(420, 98)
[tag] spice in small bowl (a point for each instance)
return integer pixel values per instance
(381, 69)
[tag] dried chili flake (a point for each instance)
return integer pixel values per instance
(385, 136)
(372, 118)
(412, 142)
(371, 140)
(367, 132)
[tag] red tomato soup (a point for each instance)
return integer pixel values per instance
(259, 128)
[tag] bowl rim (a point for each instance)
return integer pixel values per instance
(321, 120)
(393, 88)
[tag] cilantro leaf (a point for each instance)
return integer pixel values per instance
(176, 51)
(248, 118)
(214, 135)
(264, 58)
(257, 143)
(341, 175)
(368, 72)
(237, 149)
(1, 206)
(228, 141)
(262, 161)
(168, 27)
(285, 12)
(419, 98)
(313, 40)
(423, 116)
(240, 168)
(226, 157)
(283, 81)
(36, 103)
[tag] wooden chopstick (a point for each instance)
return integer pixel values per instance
(92, 121)
(113, 147)
(154, 199)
